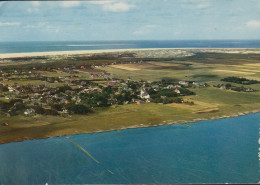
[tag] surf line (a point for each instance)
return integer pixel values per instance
(82, 149)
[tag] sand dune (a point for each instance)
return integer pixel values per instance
(52, 53)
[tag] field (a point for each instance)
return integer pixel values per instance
(209, 102)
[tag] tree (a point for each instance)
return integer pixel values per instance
(78, 109)
(64, 88)
(57, 107)
(3, 88)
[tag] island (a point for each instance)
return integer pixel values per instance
(53, 94)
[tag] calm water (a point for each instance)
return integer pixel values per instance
(20, 47)
(217, 151)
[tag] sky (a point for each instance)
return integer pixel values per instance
(129, 20)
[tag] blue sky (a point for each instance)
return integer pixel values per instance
(129, 20)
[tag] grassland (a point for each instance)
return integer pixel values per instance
(209, 102)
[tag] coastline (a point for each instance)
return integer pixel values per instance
(81, 52)
(163, 123)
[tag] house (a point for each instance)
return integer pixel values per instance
(61, 77)
(94, 75)
(177, 91)
(112, 83)
(139, 102)
(86, 90)
(183, 83)
(249, 90)
(223, 87)
(170, 87)
(8, 97)
(83, 83)
(106, 74)
(64, 101)
(199, 84)
(11, 89)
(29, 111)
(5, 124)
(144, 94)
(155, 86)
(72, 84)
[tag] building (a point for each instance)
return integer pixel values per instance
(177, 91)
(183, 83)
(139, 102)
(199, 84)
(29, 111)
(144, 94)
(170, 86)
(112, 83)
(223, 87)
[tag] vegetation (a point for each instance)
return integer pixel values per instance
(240, 80)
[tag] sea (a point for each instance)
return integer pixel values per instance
(213, 151)
(44, 46)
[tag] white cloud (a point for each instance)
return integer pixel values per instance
(36, 3)
(101, 2)
(196, 4)
(117, 7)
(39, 25)
(68, 4)
(202, 5)
(195, 1)
(144, 30)
(253, 24)
(32, 10)
(43, 26)
(113, 5)
(9, 23)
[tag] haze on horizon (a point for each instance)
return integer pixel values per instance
(129, 20)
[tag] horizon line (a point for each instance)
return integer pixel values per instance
(136, 40)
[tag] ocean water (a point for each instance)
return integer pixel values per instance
(23, 47)
(214, 151)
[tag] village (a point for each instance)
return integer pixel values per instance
(81, 88)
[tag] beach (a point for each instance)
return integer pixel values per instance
(89, 52)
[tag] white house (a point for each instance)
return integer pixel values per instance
(29, 111)
(144, 94)
(183, 83)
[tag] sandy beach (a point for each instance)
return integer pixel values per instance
(80, 52)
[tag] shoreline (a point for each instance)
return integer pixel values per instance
(163, 123)
(80, 52)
